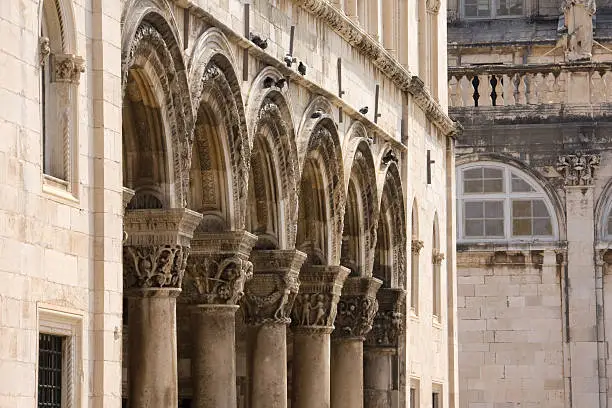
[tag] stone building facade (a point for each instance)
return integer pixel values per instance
(220, 203)
(530, 82)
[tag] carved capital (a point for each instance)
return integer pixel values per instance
(218, 267)
(389, 321)
(416, 246)
(437, 257)
(67, 68)
(270, 295)
(356, 308)
(156, 248)
(578, 169)
(315, 306)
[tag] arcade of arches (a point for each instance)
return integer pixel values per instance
(264, 253)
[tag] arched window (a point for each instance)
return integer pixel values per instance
(59, 77)
(436, 260)
(417, 245)
(498, 202)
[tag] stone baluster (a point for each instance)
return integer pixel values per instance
(531, 93)
(520, 88)
(155, 253)
(540, 88)
(268, 300)
(381, 347)
(466, 91)
(508, 89)
(356, 310)
(607, 80)
(499, 91)
(214, 284)
(313, 316)
(454, 92)
(484, 90)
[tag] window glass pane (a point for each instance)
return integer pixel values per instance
(542, 226)
(472, 186)
(494, 228)
(539, 209)
(494, 209)
(490, 172)
(472, 173)
(474, 228)
(473, 210)
(520, 186)
(521, 208)
(521, 226)
(493, 186)
(509, 7)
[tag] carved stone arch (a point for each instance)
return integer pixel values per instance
(66, 28)
(220, 114)
(274, 173)
(322, 195)
(392, 214)
(318, 111)
(360, 223)
(269, 84)
(603, 208)
(153, 75)
(542, 182)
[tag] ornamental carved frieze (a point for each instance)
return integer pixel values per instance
(389, 322)
(156, 247)
(578, 169)
(218, 267)
(315, 307)
(416, 246)
(356, 308)
(67, 68)
(270, 295)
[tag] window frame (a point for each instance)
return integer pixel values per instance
(493, 15)
(507, 197)
(69, 325)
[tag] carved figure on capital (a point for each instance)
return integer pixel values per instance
(355, 316)
(388, 323)
(156, 266)
(578, 169)
(315, 309)
(269, 299)
(213, 279)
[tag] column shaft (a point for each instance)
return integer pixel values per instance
(152, 350)
(377, 379)
(267, 365)
(311, 369)
(214, 357)
(347, 373)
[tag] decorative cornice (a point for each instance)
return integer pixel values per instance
(160, 227)
(67, 68)
(388, 323)
(390, 67)
(315, 306)
(578, 169)
(356, 308)
(269, 296)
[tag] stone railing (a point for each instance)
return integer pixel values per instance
(498, 85)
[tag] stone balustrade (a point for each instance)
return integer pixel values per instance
(546, 84)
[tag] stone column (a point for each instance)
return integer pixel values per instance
(356, 310)
(267, 304)
(313, 316)
(214, 283)
(154, 257)
(381, 347)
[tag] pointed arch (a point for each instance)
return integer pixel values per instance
(220, 133)
(154, 86)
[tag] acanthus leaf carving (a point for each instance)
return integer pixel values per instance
(67, 68)
(155, 266)
(578, 169)
(389, 322)
(355, 316)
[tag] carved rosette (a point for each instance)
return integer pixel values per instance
(315, 307)
(388, 323)
(67, 68)
(356, 308)
(270, 295)
(156, 248)
(578, 169)
(218, 267)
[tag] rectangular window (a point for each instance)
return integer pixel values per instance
(435, 400)
(50, 370)
(413, 398)
(477, 8)
(484, 219)
(492, 8)
(509, 8)
(415, 393)
(530, 217)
